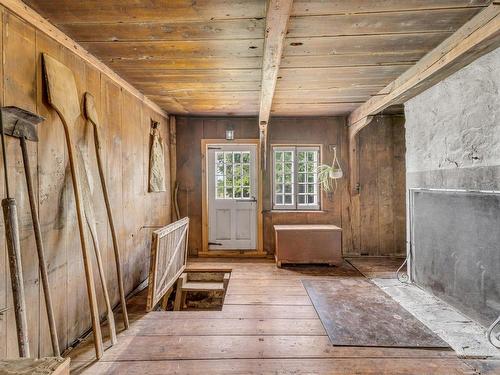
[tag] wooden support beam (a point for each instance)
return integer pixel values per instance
(173, 167)
(354, 153)
(278, 14)
(474, 39)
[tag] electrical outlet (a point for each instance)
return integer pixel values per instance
(332, 148)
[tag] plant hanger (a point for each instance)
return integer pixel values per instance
(329, 174)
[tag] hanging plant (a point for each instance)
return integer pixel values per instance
(329, 174)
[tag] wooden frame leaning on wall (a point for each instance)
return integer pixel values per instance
(259, 251)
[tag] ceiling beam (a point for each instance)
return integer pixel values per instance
(474, 39)
(353, 139)
(278, 14)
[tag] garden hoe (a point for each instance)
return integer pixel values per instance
(14, 252)
(63, 96)
(21, 124)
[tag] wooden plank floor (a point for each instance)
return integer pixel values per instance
(267, 326)
(377, 267)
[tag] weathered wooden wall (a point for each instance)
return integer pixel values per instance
(379, 213)
(373, 222)
(125, 138)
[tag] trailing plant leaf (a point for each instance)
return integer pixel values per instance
(324, 179)
(328, 174)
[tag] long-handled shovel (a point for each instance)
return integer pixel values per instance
(63, 96)
(14, 250)
(21, 124)
(91, 114)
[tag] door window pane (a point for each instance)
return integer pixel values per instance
(232, 174)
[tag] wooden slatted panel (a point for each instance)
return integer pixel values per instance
(168, 259)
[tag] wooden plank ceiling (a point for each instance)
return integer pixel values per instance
(204, 57)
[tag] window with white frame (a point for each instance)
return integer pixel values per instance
(295, 179)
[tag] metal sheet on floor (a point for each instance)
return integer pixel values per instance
(355, 312)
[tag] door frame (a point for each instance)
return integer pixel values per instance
(259, 251)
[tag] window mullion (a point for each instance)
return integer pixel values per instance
(295, 179)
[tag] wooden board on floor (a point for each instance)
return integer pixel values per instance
(240, 312)
(225, 327)
(354, 312)
(342, 366)
(157, 348)
(289, 290)
(266, 299)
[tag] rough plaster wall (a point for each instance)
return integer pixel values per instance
(456, 124)
(453, 142)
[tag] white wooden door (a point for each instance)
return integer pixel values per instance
(232, 197)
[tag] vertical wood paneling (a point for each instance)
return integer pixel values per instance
(111, 108)
(368, 178)
(385, 156)
(78, 310)
(382, 178)
(399, 189)
(324, 131)
(125, 149)
(369, 220)
(3, 251)
(52, 204)
(132, 164)
(350, 208)
(20, 90)
(159, 203)
(189, 135)
(92, 83)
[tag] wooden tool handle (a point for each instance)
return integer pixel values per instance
(91, 224)
(16, 273)
(40, 250)
(87, 263)
(118, 263)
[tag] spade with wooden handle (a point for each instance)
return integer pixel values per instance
(91, 114)
(63, 97)
(14, 254)
(21, 124)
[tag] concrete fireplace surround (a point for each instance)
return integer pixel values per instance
(453, 142)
